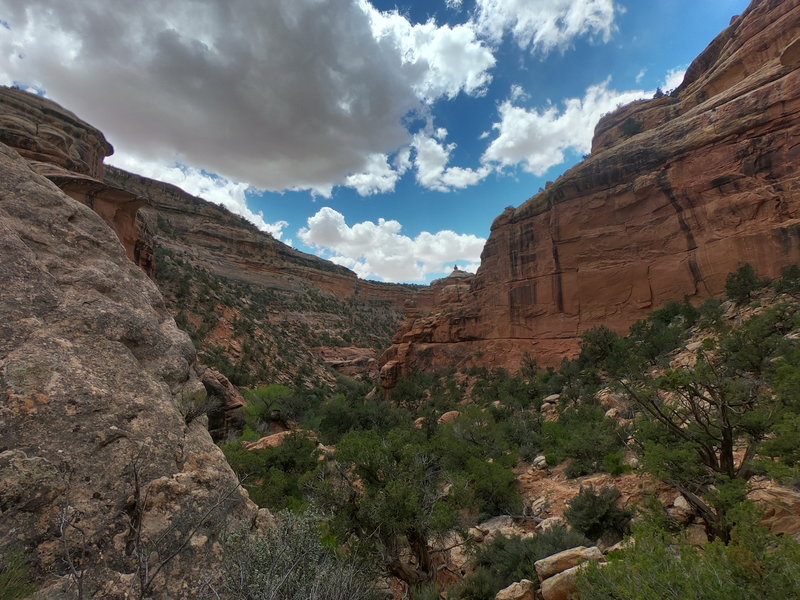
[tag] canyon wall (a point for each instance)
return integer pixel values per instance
(677, 192)
(70, 153)
(257, 309)
(108, 486)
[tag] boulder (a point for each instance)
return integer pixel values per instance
(696, 534)
(556, 563)
(781, 508)
(448, 417)
(681, 510)
(551, 522)
(275, 440)
(520, 590)
(561, 586)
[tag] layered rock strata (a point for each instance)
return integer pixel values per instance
(283, 315)
(107, 485)
(677, 192)
(70, 153)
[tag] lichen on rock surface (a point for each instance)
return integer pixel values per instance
(101, 475)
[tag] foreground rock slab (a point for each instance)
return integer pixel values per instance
(104, 484)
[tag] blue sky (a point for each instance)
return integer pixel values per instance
(385, 136)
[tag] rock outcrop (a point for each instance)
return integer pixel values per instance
(566, 559)
(70, 153)
(519, 590)
(677, 192)
(105, 484)
(557, 573)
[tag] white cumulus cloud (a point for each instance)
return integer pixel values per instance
(281, 94)
(674, 78)
(438, 60)
(544, 25)
(378, 177)
(381, 250)
(538, 139)
(431, 157)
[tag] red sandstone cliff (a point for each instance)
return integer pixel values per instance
(708, 182)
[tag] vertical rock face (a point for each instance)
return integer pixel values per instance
(678, 191)
(100, 474)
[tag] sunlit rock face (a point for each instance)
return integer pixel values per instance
(677, 192)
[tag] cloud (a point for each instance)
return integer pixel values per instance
(674, 78)
(378, 177)
(285, 94)
(538, 139)
(380, 250)
(230, 194)
(518, 94)
(545, 25)
(439, 61)
(431, 156)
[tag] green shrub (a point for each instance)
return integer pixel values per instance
(583, 434)
(289, 562)
(740, 285)
(674, 311)
(614, 464)
(505, 560)
(598, 345)
(653, 339)
(274, 477)
(264, 405)
(524, 433)
(498, 386)
(15, 576)
(340, 415)
(481, 585)
(493, 488)
(425, 592)
(710, 314)
(789, 281)
(631, 127)
(754, 345)
(595, 514)
(756, 565)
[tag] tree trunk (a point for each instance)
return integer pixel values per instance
(414, 575)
